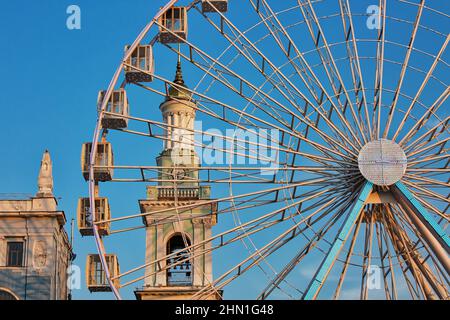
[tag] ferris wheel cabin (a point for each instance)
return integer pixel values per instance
(173, 26)
(84, 217)
(215, 5)
(116, 110)
(140, 65)
(96, 280)
(103, 161)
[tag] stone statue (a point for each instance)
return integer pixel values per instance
(45, 180)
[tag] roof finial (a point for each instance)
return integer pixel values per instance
(45, 179)
(179, 74)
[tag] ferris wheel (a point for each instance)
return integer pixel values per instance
(301, 153)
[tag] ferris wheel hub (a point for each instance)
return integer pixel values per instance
(382, 162)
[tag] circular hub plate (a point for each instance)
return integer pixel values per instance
(382, 162)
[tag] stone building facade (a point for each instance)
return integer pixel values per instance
(35, 251)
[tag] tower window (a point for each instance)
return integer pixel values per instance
(180, 274)
(14, 254)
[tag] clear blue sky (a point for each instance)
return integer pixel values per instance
(48, 91)
(49, 86)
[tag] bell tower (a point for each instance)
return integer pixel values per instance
(178, 215)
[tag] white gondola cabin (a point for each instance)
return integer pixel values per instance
(104, 161)
(173, 23)
(95, 274)
(221, 5)
(117, 107)
(102, 212)
(142, 59)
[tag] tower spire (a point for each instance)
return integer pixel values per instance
(179, 74)
(178, 92)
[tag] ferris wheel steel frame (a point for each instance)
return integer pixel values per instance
(358, 129)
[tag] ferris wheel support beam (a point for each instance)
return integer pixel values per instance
(347, 259)
(431, 231)
(400, 243)
(420, 262)
(326, 265)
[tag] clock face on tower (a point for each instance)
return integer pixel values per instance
(178, 174)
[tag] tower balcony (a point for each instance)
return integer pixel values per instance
(182, 193)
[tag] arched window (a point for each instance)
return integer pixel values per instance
(6, 295)
(181, 274)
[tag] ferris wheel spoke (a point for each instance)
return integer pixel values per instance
(379, 68)
(367, 255)
(432, 133)
(300, 56)
(260, 254)
(430, 159)
(251, 227)
(275, 33)
(310, 245)
(388, 238)
(318, 146)
(266, 61)
(404, 68)
(188, 207)
(426, 116)
(428, 181)
(333, 74)
(419, 191)
(437, 59)
(254, 145)
(325, 267)
(213, 64)
(431, 207)
(429, 148)
(353, 54)
(383, 250)
(253, 174)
